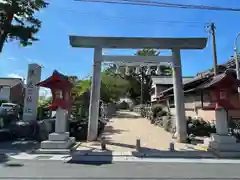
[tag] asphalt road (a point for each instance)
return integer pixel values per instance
(22, 169)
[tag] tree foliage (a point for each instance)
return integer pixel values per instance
(18, 20)
(113, 86)
(135, 80)
(44, 102)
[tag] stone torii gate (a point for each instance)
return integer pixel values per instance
(175, 44)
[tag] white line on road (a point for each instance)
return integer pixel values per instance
(176, 160)
(22, 156)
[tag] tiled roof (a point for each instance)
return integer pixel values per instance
(215, 79)
(189, 84)
(206, 78)
(200, 83)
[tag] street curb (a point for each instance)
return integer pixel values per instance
(164, 154)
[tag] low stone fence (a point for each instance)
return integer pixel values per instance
(144, 111)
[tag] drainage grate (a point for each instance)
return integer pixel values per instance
(43, 157)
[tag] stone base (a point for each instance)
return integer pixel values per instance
(58, 136)
(58, 141)
(53, 151)
(222, 143)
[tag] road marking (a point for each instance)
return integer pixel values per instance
(22, 156)
(65, 158)
(175, 160)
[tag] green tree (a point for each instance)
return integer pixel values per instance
(113, 86)
(135, 80)
(44, 102)
(17, 20)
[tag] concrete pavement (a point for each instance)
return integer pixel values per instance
(120, 136)
(123, 170)
(123, 130)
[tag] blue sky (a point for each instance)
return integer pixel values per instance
(77, 18)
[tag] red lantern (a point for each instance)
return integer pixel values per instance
(220, 98)
(61, 90)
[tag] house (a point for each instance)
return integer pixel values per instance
(198, 100)
(161, 83)
(12, 90)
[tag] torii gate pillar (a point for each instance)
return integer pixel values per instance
(95, 95)
(179, 96)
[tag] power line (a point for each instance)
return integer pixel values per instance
(162, 4)
(171, 22)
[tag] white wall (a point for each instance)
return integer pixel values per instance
(5, 93)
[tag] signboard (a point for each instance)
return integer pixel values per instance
(31, 93)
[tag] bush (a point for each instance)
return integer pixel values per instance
(162, 113)
(167, 124)
(156, 109)
(199, 127)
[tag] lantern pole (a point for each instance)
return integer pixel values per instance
(237, 61)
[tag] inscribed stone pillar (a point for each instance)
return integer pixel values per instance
(31, 92)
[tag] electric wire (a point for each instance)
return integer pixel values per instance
(162, 4)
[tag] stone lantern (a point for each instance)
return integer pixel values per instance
(61, 89)
(220, 89)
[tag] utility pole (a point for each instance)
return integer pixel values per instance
(212, 30)
(142, 81)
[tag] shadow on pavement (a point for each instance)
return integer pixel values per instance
(16, 147)
(160, 153)
(109, 130)
(89, 157)
(109, 142)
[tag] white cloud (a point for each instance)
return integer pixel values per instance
(45, 92)
(11, 59)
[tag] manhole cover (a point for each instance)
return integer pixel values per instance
(43, 157)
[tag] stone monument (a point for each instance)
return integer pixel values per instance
(60, 86)
(31, 92)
